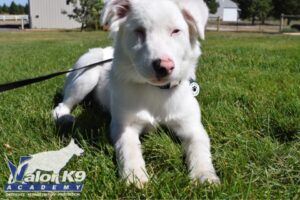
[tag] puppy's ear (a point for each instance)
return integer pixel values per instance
(114, 13)
(196, 14)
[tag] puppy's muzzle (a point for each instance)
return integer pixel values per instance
(163, 67)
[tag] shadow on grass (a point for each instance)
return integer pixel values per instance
(93, 122)
(285, 134)
(92, 125)
(161, 129)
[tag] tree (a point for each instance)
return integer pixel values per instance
(26, 9)
(254, 9)
(213, 6)
(21, 9)
(262, 9)
(86, 12)
(289, 7)
(5, 9)
(13, 8)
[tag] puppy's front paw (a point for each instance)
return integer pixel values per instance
(61, 114)
(207, 176)
(136, 177)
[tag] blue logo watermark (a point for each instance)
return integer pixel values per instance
(42, 172)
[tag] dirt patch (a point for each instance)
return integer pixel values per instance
(294, 34)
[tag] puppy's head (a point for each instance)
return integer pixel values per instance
(158, 38)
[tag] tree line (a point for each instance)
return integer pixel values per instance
(14, 9)
(263, 9)
(88, 12)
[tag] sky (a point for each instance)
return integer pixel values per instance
(8, 2)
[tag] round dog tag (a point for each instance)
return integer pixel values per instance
(195, 88)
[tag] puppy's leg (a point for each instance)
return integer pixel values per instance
(129, 154)
(80, 83)
(197, 147)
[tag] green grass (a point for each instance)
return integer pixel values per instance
(250, 102)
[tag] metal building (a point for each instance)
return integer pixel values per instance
(47, 14)
(228, 11)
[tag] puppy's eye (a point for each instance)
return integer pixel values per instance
(140, 33)
(175, 32)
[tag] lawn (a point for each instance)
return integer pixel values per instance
(250, 102)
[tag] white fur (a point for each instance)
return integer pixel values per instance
(128, 87)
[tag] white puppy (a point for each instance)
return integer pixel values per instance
(155, 56)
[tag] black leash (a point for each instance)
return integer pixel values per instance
(22, 83)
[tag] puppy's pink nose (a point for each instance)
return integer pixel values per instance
(163, 66)
(167, 63)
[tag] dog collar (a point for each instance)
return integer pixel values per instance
(169, 85)
(193, 84)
